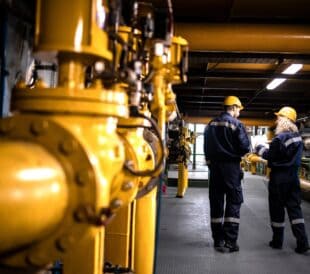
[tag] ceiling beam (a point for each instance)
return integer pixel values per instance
(267, 95)
(247, 75)
(245, 121)
(203, 57)
(195, 111)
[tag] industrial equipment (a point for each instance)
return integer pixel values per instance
(82, 156)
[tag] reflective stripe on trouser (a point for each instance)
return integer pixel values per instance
(225, 180)
(227, 231)
(287, 196)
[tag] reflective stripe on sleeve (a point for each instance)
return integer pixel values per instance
(292, 140)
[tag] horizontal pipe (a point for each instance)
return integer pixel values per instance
(258, 38)
(33, 194)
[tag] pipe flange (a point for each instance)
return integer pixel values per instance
(81, 180)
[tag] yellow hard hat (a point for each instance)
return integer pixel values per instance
(287, 112)
(232, 100)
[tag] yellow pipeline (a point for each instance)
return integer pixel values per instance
(182, 180)
(33, 194)
(146, 206)
(145, 233)
(166, 70)
(78, 127)
(246, 37)
(81, 33)
(89, 194)
(120, 234)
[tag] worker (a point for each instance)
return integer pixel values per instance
(226, 141)
(284, 158)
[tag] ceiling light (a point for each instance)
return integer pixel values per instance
(292, 69)
(274, 83)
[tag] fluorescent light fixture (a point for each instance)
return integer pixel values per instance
(292, 69)
(274, 83)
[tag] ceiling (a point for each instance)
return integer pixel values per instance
(236, 48)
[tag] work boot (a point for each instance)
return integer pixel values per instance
(231, 247)
(301, 249)
(219, 245)
(275, 245)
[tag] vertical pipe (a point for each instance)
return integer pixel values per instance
(145, 230)
(162, 127)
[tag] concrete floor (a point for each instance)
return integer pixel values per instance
(185, 245)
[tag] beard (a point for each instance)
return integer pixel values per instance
(284, 124)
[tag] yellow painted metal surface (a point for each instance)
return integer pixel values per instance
(145, 233)
(242, 66)
(89, 101)
(89, 249)
(81, 32)
(33, 196)
(119, 238)
(119, 244)
(89, 194)
(246, 37)
(182, 179)
(140, 156)
(78, 127)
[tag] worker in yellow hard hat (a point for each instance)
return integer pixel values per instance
(284, 158)
(233, 101)
(225, 142)
(287, 112)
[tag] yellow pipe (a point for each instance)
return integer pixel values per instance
(71, 73)
(158, 105)
(81, 33)
(145, 233)
(246, 37)
(145, 225)
(118, 243)
(33, 194)
(182, 180)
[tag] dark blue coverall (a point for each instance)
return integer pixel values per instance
(226, 141)
(284, 158)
